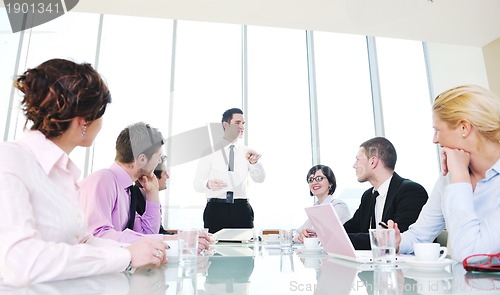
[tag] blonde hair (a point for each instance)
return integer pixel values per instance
(472, 103)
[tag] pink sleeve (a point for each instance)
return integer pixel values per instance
(107, 218)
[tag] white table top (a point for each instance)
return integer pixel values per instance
(264, 269)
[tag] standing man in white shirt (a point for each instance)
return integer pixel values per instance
(224, 175)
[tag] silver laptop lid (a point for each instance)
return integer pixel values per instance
(330, 231)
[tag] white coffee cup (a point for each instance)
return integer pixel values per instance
(311, 243)
(429, 251)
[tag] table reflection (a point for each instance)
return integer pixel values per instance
(483, 281)
(245, 269)
(229, 275)
(105, 284)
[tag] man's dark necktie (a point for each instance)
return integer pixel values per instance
(374, 203)
(230, 167)
(133, 205)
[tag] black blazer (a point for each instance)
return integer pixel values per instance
(403, 203)
(140, 208)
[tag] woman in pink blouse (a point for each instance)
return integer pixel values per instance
(43, 229)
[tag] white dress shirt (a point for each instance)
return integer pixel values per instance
(43, 229)
(380, 202)
(215, 166)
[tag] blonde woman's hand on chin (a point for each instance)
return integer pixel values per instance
(456, 162)
(147, 251)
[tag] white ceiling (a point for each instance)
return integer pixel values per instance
(463, 22)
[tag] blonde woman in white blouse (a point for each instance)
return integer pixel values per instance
(43, 230)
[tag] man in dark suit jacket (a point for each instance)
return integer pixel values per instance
(398, 199)
(403, 203)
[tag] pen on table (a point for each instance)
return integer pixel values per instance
(383, 225)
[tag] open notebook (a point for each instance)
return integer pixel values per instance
(333, 236)
(242, 235)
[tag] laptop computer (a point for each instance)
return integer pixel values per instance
(242, 235)
(333, 236)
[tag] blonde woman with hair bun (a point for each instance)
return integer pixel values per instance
(466, 198)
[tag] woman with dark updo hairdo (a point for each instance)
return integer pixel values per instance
(43, 230)
(322, 185)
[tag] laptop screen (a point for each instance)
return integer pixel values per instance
(330, 230)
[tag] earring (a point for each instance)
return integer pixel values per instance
(463, 134)
(83, 131)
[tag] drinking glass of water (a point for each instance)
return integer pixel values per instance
(188, 246)
(383, 243)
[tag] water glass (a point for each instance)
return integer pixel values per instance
(286, 238)
(383, 243)
(188, 246)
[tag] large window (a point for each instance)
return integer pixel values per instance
(207, 81)
(407, 109)
(345, 113)
(181, 75)
(9, 48)
(135, 61)
(278, 124)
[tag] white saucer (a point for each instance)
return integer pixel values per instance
(429, 265)
(317, 255)
(272, 246)
(311, 251)
(424, 274)
(273, 242)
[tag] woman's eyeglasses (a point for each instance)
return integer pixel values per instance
(482, 262)
(317, 178)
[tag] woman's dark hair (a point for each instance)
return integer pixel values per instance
(59, 90)
(327, 171)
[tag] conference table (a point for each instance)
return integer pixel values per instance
(260, 268)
